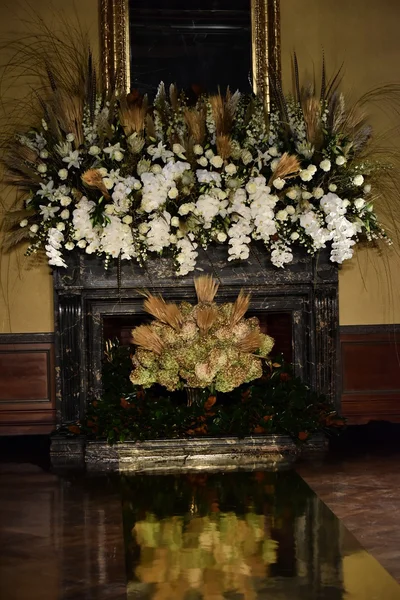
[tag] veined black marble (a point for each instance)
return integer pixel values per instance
(86, 294)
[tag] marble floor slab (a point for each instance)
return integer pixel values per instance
(363, 491)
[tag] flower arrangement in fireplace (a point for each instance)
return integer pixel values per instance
(113, 176)
(199, 346)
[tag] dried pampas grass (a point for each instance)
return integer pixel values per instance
(239, 307)
(206, 288)
(166, 313)
(94, 179)
(205, 318)
(144, 337)
(251, 342)
(288, 166)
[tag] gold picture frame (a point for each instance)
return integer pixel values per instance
(114, 44)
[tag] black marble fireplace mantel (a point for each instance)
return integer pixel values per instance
(86, 294)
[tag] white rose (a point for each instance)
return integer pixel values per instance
(103, 171)
(306, 175)
(59, 226)
(359, 203)
(108, 183)
(137, 185)
(306, 195)
(282, 215)
(69, 246)
(358, 180)
(318, 193)
(367, 188)
(63, 174)
(217, 161)
(70, 137)
(203, 162)
(185, 209)
(118, 156)
(175, 222)
(42, 168)
(156, 169)
(44, 154)
(82, 244)
(209, 153)
(221, 194)
(178, 149)
(290, 210)
(230, 169)
(127, 219)
(64, 214)
(173, 239)
(274, 164)
(65, 201)
(34, 228)
(278, 183)
(273, 151)
(346, 203)
(94, 150)
(173, 193)
(23, 223)
(292, 194)
(325, 165)
(221, 236)
(198, 149)
(143, 228)
(340, 160)
(109, 209)
(251, 187)
(312, 169)
(332, 187)
(294, 236)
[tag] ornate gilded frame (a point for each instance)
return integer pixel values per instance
(114, 43)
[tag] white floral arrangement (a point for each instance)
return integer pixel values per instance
(118, 178)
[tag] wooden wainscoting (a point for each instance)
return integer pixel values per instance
(370, 373)
(27, 383)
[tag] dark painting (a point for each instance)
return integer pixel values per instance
(197, 44)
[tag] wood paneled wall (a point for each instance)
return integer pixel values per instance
(370, 378)
(370, 373)
(27, 384)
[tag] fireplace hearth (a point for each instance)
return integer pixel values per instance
(297, 305)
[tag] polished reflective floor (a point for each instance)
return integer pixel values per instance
(233, 536)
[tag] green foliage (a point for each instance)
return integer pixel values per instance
(278, 403)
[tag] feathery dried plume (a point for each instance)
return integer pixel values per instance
(206, 288)
(196, 122)
(224, 109)
(251, 342)
(132, 113)
(288, 166)
(239, 307)
(224, 146)
(93, 178)
(166, 313)
(311, 107)
(144, 337)
(205, 318)
(68, 111)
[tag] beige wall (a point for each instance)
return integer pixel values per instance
(26, 298)
(363, 33)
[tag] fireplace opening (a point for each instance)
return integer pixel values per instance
(276, 324)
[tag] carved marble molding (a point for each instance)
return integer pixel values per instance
(115, 45)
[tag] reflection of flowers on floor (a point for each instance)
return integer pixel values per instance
(211, 555)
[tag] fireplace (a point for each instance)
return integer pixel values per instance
(297, 306)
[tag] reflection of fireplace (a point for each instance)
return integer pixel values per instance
(296, 305)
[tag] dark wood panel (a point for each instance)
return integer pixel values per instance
(27, 384)
(370, 373)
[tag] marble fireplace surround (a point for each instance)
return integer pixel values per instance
(86, 294)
